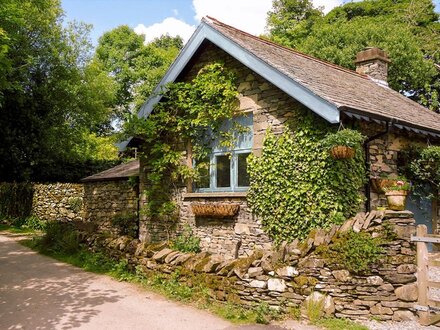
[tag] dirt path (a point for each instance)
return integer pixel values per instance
(37, 292)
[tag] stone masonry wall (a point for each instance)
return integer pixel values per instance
(103, 201)
(272, 108)
(285, 277)
(55, 201)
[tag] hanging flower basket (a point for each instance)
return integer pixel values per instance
(215, 210)
(342, 152)
(396, 199)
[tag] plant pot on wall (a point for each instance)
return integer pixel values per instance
(342, 152)
(396, 199)
(379, 185)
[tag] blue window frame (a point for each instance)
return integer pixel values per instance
(228, 169)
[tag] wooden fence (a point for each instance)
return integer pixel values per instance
(429, 308)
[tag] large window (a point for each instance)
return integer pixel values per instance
(228, 166)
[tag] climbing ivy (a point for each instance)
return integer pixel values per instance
(189, 112)
(296, 185)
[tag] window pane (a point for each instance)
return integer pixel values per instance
(243, 175)
(203, 168)
(223, 171)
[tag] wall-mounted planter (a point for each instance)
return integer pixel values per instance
(342, 152)
(396, 199)
(215, 210)
(379, 185)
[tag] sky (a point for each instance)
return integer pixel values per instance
(154, 18)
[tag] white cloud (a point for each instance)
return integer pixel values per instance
(175, 12)
(247, 15)
(170, 25)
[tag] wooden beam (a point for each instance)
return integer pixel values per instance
(422, 273)
(434, 263)
(427, 239)
(433, 284)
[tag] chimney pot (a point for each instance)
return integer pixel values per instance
(373, 62)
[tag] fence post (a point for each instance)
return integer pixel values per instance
(422, 274)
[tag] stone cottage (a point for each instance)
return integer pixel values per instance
(274, 82)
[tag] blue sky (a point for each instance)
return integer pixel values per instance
(156, 17)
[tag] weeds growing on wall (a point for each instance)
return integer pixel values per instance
(187, 114)
(297, 186)
(186, 241)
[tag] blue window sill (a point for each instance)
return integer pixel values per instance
(217, 194)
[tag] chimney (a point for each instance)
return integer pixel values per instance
(373, 62)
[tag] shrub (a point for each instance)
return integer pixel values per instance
(75, 204)
(186, 241)
(34, 223)
(16, 200)
(354, 251)
(60, 237)
(126, 224)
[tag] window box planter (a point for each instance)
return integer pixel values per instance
(396, 199)
(215, 210)
(342, 152)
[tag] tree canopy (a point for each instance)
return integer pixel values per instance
(53, 96)
(409, 31)
(135, 67)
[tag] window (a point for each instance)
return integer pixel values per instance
(228, 166)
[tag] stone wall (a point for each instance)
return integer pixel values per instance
(55, 201)
(271, 107)
(286, 276)
(103, 201)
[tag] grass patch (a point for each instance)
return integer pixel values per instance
(16, 230)
(339, 324)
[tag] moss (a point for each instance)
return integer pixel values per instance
(200, 265)
(302, 280)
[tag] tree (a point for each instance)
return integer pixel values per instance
(408, 30)
(52, 96)
(136, 68)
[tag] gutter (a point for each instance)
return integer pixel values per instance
(367, 164)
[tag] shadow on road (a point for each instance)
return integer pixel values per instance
(37, 292)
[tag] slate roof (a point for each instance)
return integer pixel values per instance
(122, 171)
(346, 89)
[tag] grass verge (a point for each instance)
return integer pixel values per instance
(167, 285)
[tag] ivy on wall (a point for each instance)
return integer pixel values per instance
(296, 185)
(189, 112)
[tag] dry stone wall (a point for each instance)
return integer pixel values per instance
(103, 201)
(287, 276)
(58, 201)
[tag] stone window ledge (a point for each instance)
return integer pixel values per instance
(215, 195)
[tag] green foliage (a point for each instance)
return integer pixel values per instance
(135, 68)
(34, 223)
(354, 251)
(60, 237)
(188, 113)
(314, 309)
(186, 241)
(296, 185)
(338, 324)
(126, 223)
(75, 204)
(52, 97)
(426, 168)
(345, 137)
(16, 200)
(407, 30)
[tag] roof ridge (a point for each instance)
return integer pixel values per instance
(294, 51)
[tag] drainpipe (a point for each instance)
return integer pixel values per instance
(367, 164)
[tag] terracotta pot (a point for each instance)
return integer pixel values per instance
(396, 199)
(379, 185)
(342, 152)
